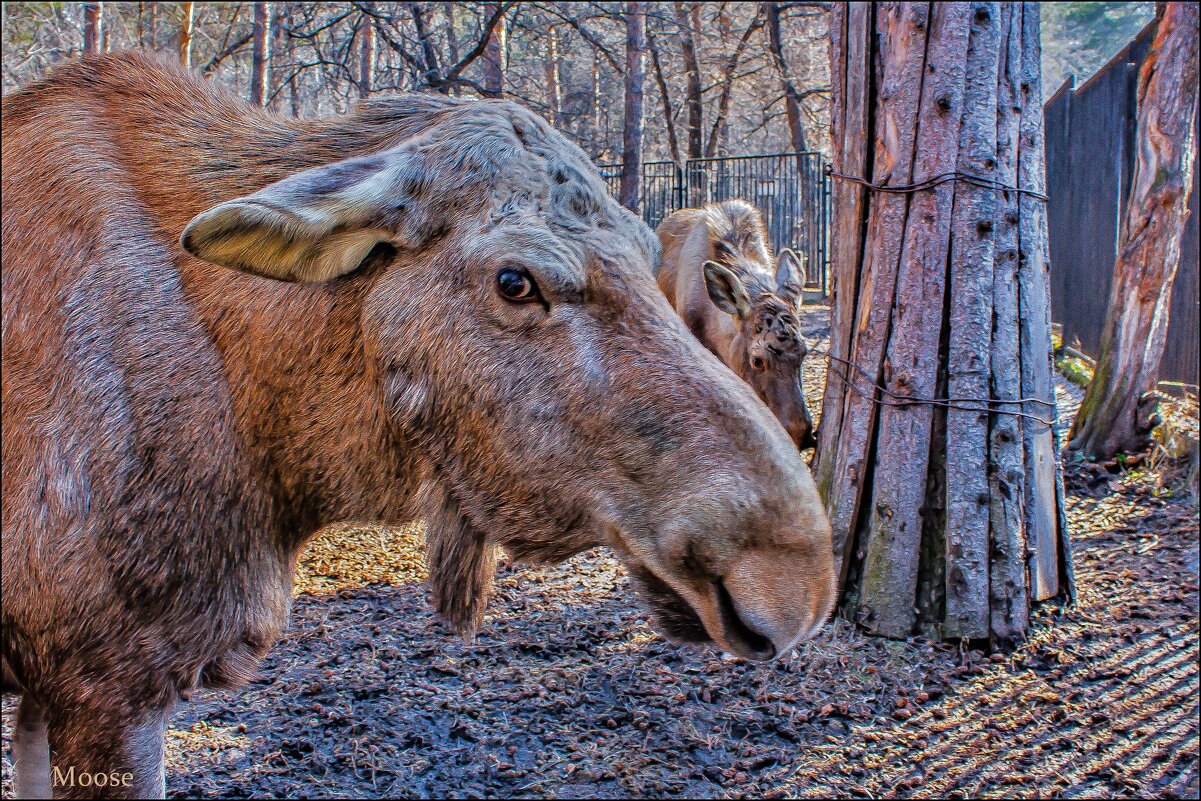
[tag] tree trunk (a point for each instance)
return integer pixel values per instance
(185, 34)
(366, 51)
(936, 456)
(594, 103)
(261, 57)
(93, 27)
(673, 142)
(494, 81)
(554, 97)
(792, 98)
(1119, 408)
(631, 138)
(688, 21)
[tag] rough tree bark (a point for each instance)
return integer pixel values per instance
(185, 33)
(936, 456)
(1119, 408)
(93, 27)
(261, 54)
(494, 72)
(631, 137)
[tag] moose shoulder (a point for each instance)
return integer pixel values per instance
(224, 329)
(718, 274)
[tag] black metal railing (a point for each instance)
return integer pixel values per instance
(791, 191)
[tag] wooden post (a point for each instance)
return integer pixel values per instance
(940, 480)
(1119, 408)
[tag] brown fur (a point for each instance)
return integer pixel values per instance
(174, 430)
(762, 343)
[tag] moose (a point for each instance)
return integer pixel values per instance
(717, 272)
(224, 330)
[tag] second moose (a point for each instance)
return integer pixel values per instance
(718, 273)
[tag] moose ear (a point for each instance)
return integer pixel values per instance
(317, 224)
(726, 289)
(790, 276)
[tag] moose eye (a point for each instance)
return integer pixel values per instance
(516, 286)
(758, 363)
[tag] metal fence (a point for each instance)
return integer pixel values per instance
(791, 191)
(1090, 163)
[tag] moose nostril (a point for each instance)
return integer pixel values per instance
(758, 645)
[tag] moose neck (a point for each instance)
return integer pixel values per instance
(305, 395)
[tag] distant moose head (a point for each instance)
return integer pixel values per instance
(718, 273)
(224, 330)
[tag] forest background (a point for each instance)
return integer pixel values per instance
(719, 78)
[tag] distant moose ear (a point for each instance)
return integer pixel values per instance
(726, 289)
(790, 276)
(318, 224)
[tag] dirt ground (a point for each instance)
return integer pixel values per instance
(569, 693)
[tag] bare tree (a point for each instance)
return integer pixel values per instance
(727, 82)
(426, 72)
(565, 61)
(792, 97)
(1119, 409)
(554, 97)
(494, 69)
(93, 27)
(261, 63)
(367, 50)
(673, 141)
(936, 454)
(185, 34)
(688, 21)
(631, 150)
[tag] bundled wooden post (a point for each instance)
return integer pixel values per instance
(937, 455)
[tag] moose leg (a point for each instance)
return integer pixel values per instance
(102, 753)
(31, 752)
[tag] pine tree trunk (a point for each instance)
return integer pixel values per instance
(1119, 408)
(631, 139)
(947, 515)
(261, 54)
